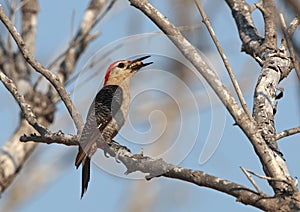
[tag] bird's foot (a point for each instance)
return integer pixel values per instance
(105, 147)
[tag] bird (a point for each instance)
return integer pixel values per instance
(107, 113)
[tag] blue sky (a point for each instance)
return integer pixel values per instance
(115, 192)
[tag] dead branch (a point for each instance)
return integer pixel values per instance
(25, 107)
(288, 132)
(225, 60)
(39, 68)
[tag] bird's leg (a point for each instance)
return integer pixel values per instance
(114, 145)
(104, 146)
(119, 149)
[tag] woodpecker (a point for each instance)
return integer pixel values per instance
(107, 113)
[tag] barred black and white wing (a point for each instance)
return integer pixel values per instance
(105, 108)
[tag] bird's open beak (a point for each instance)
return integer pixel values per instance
(136, 64)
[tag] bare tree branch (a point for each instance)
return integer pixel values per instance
(295, 6)
(51, 138)
(293, 26)
(14, 153)
(288, 132)
(276, 66)
(92, 16)
(251, 180)
(159, 168)
(289, 45)
(269, 10)
(46, 73)
(225, 60)
(263, 141)
(29, 10)
(251, 40)
(25, 107)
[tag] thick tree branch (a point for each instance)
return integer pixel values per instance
(251, 40)
(29, 23)
(14, 154)
(274, 166)
(276, 66)
(159, 168)
(264, 111)
(269, 13)
(29, 10)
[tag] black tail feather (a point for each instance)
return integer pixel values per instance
(85, 175)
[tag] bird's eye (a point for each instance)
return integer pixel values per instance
(121, 65)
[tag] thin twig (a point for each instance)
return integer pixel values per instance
(251, 180)
(192, 54)
(25, 107)
(73, 44)
(288, 132)
(225, 60)
(63, 54)
(256, 6)
(289, 45)
(52, 78)
(247, 171)
(295, 6)
(266, 177)
(12, 10)
(293, 26)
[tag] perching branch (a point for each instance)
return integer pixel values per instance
(159, 168)
(51, 138)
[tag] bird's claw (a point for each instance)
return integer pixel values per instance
(118, 153)
(105, 153)
(105, 150)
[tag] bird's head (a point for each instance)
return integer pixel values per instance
(121, 70)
